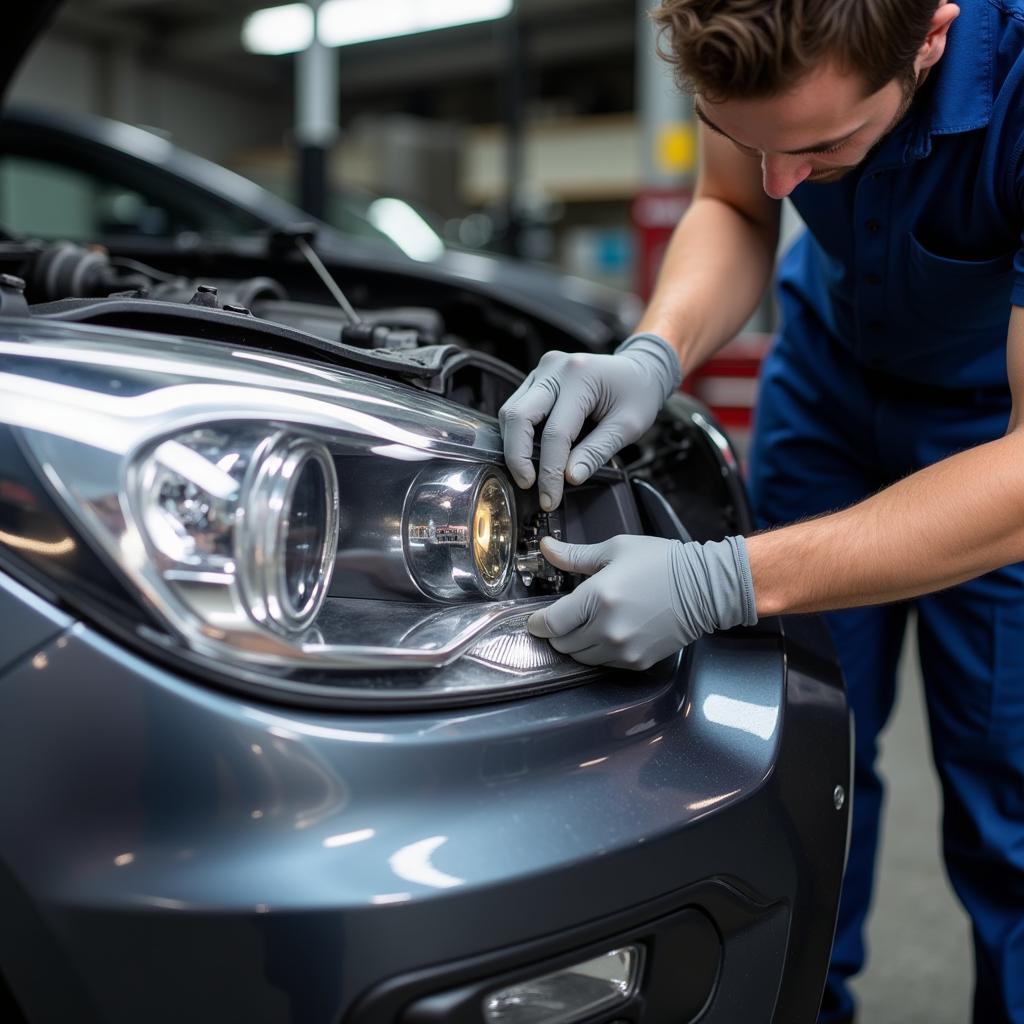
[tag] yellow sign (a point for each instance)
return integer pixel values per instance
(676, 148)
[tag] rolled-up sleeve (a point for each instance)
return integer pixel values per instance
(1017, 163)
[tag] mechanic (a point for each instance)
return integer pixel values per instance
(893, 393)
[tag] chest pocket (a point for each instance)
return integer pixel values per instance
(959, 297)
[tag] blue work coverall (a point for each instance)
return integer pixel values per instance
(891, 356)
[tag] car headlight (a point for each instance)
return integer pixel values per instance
(338, 535)
(238, 526)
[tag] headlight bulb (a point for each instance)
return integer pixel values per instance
(531, 565)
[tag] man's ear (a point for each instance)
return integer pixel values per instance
(934, 45)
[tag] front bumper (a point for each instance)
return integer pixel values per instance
(171, 853)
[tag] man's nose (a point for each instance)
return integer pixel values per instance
(782, 174)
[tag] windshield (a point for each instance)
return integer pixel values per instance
(44, 195)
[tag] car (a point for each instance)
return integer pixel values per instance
(276, 741)
(110, 182)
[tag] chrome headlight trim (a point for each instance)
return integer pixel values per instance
(268, 497)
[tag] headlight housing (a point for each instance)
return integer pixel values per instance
(302, 527)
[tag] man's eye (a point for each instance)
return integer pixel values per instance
(749, 150)
(833, 149)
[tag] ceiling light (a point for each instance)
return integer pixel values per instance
(275, 30)
(344, 22)
(289, 28)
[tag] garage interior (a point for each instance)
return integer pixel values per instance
(540, 137)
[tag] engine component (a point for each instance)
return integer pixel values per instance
(12, 296)
(66, 270)
(367, 335)
(213, 292)
(205, 295)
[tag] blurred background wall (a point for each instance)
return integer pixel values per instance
(424, 118)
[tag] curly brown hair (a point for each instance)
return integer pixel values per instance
(749, 49)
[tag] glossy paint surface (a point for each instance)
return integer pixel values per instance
(349, 811)
(314, 855)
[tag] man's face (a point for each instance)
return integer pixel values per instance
(818, 131)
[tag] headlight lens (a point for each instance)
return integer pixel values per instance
(310, 535)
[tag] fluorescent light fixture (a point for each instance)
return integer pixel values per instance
(289, 28)
(344, 22)
(275, 30)
(406, 228)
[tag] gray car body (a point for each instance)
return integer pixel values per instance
(167, 849)
(173, 846)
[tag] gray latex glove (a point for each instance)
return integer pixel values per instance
(646, 598)
(624, 392)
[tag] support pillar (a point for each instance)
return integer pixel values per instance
(316, 119)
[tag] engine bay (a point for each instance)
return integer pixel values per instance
(68, 282)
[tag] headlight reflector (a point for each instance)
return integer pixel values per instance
(189, 500)
(460, 532)
(493, 527)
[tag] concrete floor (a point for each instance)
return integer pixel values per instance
(920, 969)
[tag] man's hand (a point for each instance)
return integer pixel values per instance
(646, 598)
(624, 392)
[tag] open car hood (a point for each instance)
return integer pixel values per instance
(23, 23)
(596, 316)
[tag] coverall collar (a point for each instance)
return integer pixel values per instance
(962, 93)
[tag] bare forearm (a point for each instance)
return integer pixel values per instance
(945, 524)
(715, 273)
